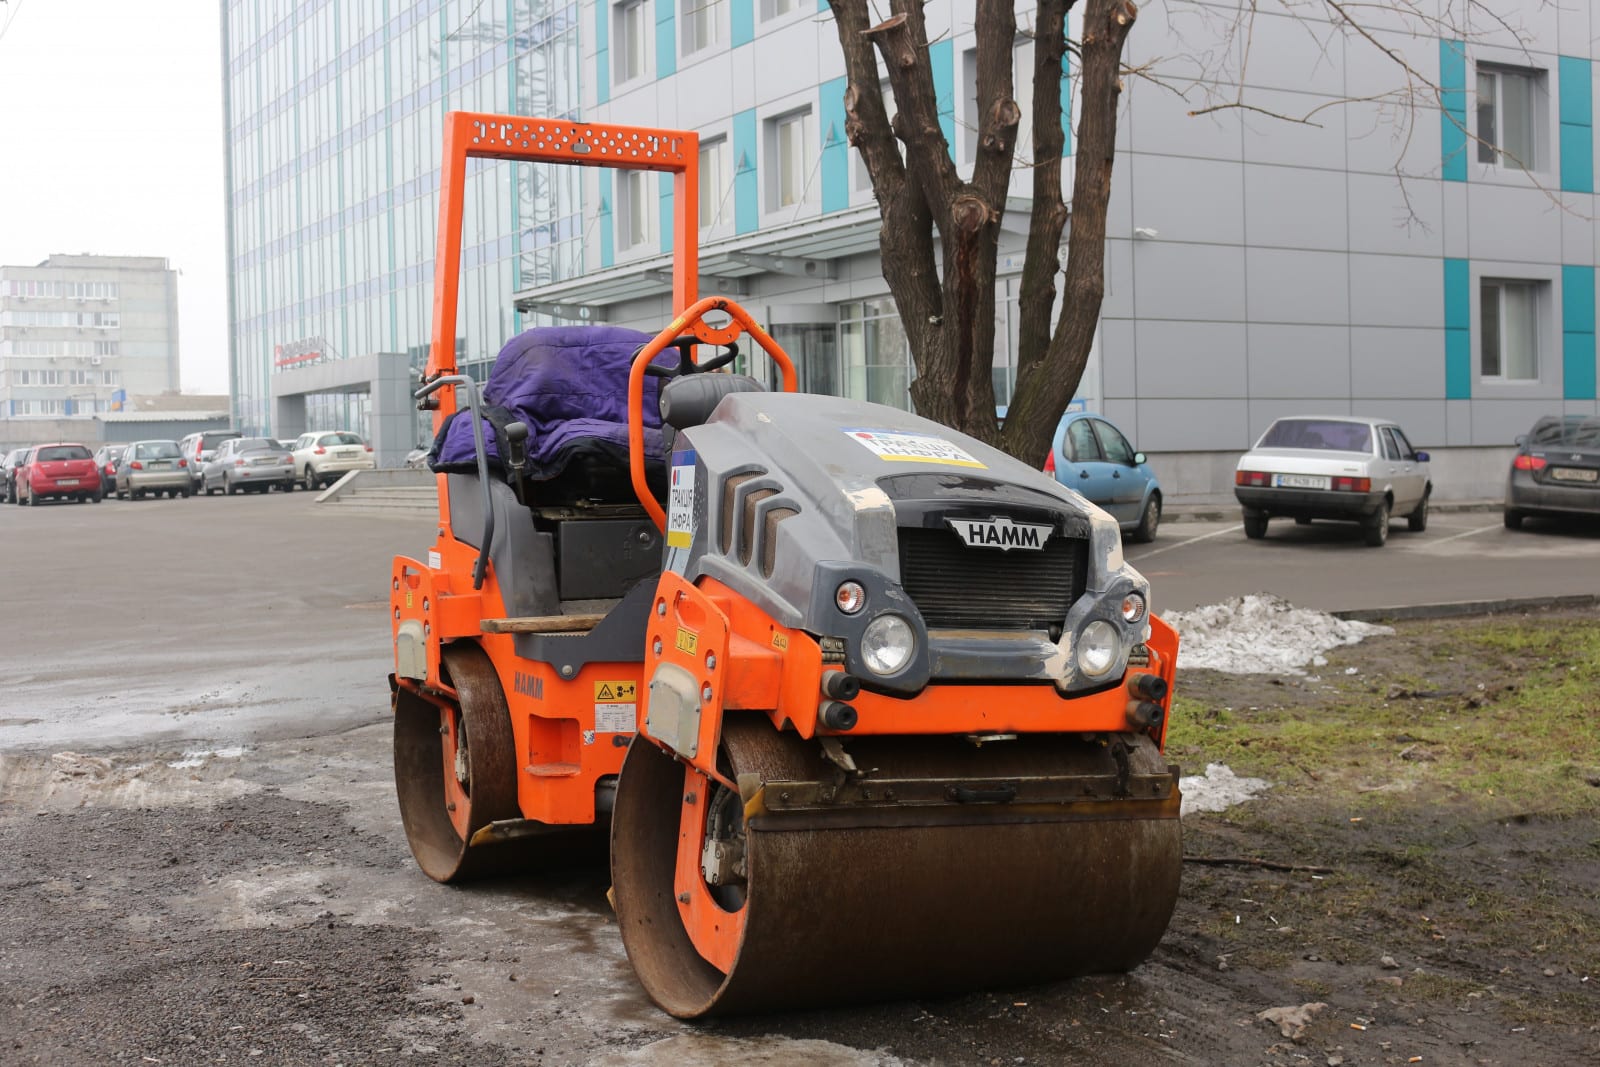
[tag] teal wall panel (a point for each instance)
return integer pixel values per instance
(1576, 108)
(1458, 330)
(1453, 113)
(746, 189)
(602, 41)
(608, 245)
(666, 40)
(742, 19)
(1577, 333)
(942, 56)
(835, 149)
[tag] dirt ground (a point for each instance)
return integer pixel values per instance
(1420, 884)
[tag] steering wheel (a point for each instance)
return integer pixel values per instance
(686, 363)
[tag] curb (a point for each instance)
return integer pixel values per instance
(1230, 512)
(1463, 608)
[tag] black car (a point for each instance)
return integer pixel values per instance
(1556, 470)
(106, 460)
(8, 473)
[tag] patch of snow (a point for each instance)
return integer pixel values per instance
(1218, 789)
(1262, 634)
(198, 757)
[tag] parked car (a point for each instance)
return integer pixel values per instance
(1556, 470)
(105, 462)
(250, 464)
(1093, 457)
(1338, 467)
(66, 471)
(153, 467)
(8, 472)
(322, 456)
(198, 449)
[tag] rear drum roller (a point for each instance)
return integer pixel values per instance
(733, 905)
(455, 771)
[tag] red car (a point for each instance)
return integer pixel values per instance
(65, 471)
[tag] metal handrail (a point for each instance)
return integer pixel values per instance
(463, 382)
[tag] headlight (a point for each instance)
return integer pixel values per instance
(1132, 607)
(887, 645)
(1097, 648)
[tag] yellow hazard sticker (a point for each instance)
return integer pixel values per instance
(612, 692)
(408, 598)
(780, 641)
(687, 641)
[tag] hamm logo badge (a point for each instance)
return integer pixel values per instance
(1000, 532)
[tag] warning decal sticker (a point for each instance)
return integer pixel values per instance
(616, 708)
(896, 447)
(680, 501)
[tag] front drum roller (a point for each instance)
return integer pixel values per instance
(455, 772)
(742, 907)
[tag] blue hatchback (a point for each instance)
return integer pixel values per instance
(1093, 457)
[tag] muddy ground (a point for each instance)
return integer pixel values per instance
(258, 905)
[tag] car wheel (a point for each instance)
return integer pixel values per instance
(288, 486)
(1150, 521)
(1514, 519)
(1417, 521)
(138, 494)
(1376, 526)
(1255, 525)
(311, 480)
(228, 488)
(185, 494)
(97, 497)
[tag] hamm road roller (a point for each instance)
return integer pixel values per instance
(868, 708)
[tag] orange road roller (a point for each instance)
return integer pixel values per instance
(868, 708)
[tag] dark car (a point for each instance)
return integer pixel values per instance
(106, 459)
(1556, 470)
(8, 472)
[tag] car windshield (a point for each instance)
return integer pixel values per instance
(252, 444)
(157, 450)
(60, 452)
(340, 439)
(208, 441)
(1572, 431)
(1330, 435)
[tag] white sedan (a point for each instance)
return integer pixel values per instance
(321, 457)
(1339, 467)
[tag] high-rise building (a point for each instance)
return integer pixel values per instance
(78, 334)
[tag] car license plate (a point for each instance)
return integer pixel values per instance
(161, 464)
(1301, 481)
(1574, 474)
(346, 453)
(264, 462)
(66, 481)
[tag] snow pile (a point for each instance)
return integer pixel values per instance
(1261, 634)
(1218, 789)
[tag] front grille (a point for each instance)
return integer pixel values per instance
(958, 587)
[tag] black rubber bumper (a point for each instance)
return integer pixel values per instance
(1308, 503)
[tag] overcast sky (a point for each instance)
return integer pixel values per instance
(111, 143)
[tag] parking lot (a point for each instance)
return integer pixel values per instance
(195, 801)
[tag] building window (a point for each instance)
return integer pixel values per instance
(702, 24)
(111, 377)
(1509, 318)
(1508, 117)
(716, 183)
(874, 356)
(631, 34)
(633, 208)
(80, 377)
(791, 149)
(773, 9)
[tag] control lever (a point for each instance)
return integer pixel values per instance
(517, 457)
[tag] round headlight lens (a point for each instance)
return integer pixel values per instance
(887, 645)
(1132, 607)
(1097, 648)
(849, 597)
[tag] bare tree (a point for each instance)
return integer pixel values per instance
(949, 314)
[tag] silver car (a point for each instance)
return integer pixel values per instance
(1339, 467)
(248, 464)
(153, 467)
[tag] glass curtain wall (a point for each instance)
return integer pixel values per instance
(334, 121)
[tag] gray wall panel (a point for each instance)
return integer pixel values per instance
(1294, 54)
(1292, 207)
(1507, 223)
(1383, 219)
(1163, 125)
(1295, 143)
(1118, 357)
(1396, 362)
(1118, 299)
(1177, 281)
(1189, 200)
(1422, 420)
(1290, 361)
(1396, 291)
(1174, 425)
(1498, 422)
(1190, 359)
(1458, 422)
(1294, 286)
